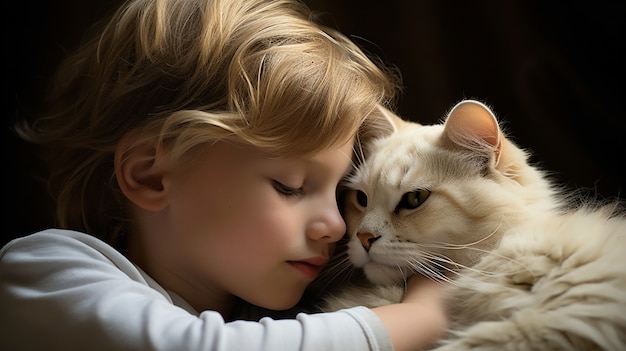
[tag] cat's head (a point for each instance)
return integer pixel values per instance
(429, 199)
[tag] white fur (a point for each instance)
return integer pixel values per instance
(524, 273)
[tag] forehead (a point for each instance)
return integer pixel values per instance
(223, 153)
(225, 157)
(332, 158)
(393, 160)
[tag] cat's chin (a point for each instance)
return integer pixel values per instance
(381, 274)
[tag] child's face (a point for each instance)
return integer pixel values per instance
(243, 224)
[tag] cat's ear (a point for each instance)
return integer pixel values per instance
(472, 125)
(382, 123)
(140, 165)
(392, 121)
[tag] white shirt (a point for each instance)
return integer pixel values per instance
(65, 290)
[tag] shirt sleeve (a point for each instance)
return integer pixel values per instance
(67, 290)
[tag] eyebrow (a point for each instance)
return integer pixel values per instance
(349, 167)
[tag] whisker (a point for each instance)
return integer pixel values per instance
(435, 266)
(430, 271)
(471, 246)
(452, 246)
(339, 271)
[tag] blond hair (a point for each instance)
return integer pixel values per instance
(262, 72)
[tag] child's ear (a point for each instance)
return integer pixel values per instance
(140, 166)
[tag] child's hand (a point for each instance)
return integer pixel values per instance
(420, 319)
(420, 289)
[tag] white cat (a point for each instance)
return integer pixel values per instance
(528, 267)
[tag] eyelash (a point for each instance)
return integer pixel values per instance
(286, 190)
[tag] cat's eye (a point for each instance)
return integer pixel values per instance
(285, 189)
(361, 198)
(412, 199)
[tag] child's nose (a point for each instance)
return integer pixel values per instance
(328, 225)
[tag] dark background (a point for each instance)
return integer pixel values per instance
(554, 71)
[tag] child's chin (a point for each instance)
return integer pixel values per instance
(280, 305)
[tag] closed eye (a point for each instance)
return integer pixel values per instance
(286, 190)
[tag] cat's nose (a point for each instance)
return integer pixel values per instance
(367, 239)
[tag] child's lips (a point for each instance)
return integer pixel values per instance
(310, 267)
